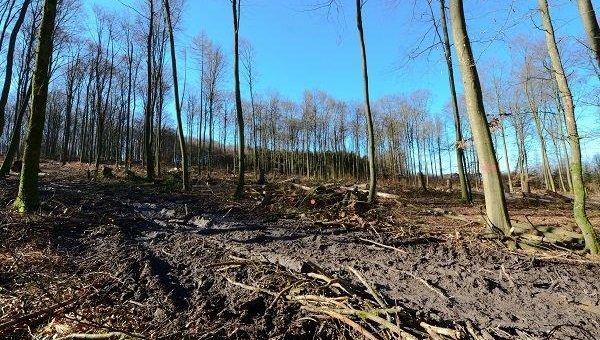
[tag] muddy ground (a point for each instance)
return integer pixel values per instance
(122, 257)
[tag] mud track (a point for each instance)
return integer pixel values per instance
(150, 256)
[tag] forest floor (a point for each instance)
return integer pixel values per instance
(123, 257)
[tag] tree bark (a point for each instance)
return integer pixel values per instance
(495, 201)
(465, 186)
(10, 61)
(149, 107)
(182, 146)
(590, 23)
(370, 130)
(235, 6)
(28, 197)
(579, 194)
(15, 138)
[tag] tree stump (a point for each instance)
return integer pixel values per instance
(261, 177)
(107, 172)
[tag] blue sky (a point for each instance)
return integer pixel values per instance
(300, 48)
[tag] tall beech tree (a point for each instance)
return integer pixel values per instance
(24, 67)
(28, 197)
(149, 109)
(235, 7)
(465, 187)
(367, 104)
(10, 54)
(495, 202)
(590, 23)
(579, 193)
(181, 136)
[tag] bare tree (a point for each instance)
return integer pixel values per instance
(236, 6)
(182, 146)
(248, 63)
(365, 74)
(10, 61)
(579, 194)
(465, 187)
(495, 202)
(590, 23)
(28, 197)
(148, 116)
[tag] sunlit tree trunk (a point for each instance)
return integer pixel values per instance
(72, 74)
(579, 194)
(590, 23)
(149, 157)
(370, 130)
(495, 201)
(128, 124)
(239, 191)
(28, 197)
(182, 146)
(465, 187)
(507, 163)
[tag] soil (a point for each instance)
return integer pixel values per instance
(143, 260)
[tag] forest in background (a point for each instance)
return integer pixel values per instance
(97, 104)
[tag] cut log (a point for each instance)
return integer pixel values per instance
(378, 193)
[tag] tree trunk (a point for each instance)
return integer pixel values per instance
(465, 187)
(128, 124)
(13, 147)
(371, 133)
(588, 16)
(495, 202)
(28, 197)
(579, 194)
(182, 146)
(10, 61)
(149, 106)
(239, 191)
(64, 155)
(507, 163)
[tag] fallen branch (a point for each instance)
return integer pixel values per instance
(248, 287)
(358, 328)
(36, 315)
(373, 315)
(111, 335)
(370, 289)
(448, 332)
(473, 332)
(378, 193)
(303, 187)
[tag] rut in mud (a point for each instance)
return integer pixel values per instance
(154, 264)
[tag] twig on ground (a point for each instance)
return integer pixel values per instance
(358, 328)
(369, 288)
(249, 287)
(448, 332)
(111, 335)
(433, 289)
(473, 332)
(36, 315)
(382, 245)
